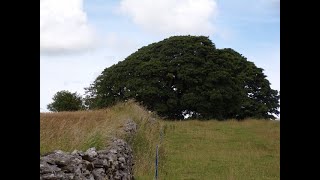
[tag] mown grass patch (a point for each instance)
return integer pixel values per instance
(247, 149)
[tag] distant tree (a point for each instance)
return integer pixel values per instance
(187, 75)
(66, 101)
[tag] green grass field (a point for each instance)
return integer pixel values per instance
(190, 149)
(221, 150)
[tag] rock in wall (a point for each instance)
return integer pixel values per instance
(115, 162)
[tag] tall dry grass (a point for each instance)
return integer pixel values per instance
(81, 130)
(76, 130)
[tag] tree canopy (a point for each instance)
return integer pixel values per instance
(66, 101)
(184, 75)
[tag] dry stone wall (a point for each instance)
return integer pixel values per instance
(115, 162)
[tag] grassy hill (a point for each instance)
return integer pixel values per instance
(190, 149)
(222, 150)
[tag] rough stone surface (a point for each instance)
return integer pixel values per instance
(115, 162)
(130, 127)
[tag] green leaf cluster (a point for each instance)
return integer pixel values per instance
(66, 101)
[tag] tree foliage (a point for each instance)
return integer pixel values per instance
(66, 101)
(187, 75)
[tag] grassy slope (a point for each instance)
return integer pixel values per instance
(222, 150)
(190, 150)
(84, 129)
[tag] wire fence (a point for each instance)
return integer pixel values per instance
(157, 155)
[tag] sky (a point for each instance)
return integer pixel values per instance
(80, 38)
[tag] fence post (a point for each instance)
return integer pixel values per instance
(156, 176)
(157, 153)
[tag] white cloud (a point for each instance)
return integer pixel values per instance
(172, 16)
(64, 27)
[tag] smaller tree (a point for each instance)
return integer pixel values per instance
(66, 101)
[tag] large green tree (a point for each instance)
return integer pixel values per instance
(187, 75)
(66, 101)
